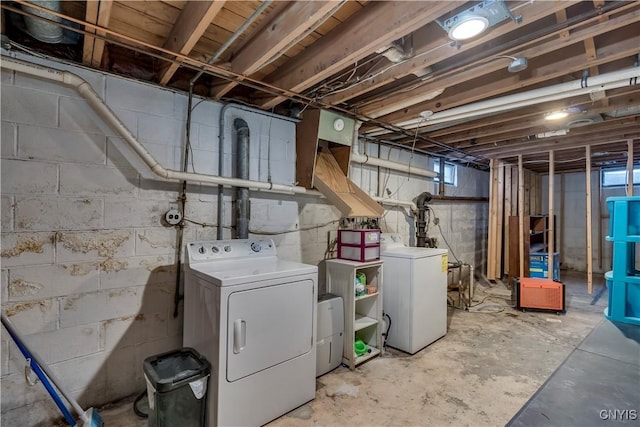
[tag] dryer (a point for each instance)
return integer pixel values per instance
(253, 316)
(415, 293)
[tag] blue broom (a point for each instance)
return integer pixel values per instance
(89, 418)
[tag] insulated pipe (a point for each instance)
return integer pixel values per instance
(109, 117)
(584, 85)
(376, 161)
(607, 81)
(242, 168)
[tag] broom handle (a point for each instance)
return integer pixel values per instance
(34, 357)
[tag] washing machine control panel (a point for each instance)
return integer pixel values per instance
(228, 249)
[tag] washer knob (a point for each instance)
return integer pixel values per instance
(227, 248)
(215, 249)
(256, 247)
(202, 250)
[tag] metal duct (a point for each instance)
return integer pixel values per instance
(42, 30)
(421, 222)
(242, 172)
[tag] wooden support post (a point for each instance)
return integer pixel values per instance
(521, 214)
(629, 167)
(589, 242)
(551, 214)
(599, 216)
(499, 220)
(493, 176)
(562, 217)
(507, 213)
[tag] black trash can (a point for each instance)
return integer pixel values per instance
(177, 388)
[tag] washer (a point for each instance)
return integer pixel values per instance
(415, 293)
(253, 316)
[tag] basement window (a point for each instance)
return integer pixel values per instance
(618, 177)
(450, 172)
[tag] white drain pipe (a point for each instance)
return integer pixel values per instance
(607, 81)
(376, 161)
(103, 110)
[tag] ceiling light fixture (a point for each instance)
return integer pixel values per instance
(468, 27)
(475, 20)
(556, 115)
(517, 64)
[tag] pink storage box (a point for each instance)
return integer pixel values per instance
(359, 245)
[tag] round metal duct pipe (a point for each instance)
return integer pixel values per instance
(42, 30)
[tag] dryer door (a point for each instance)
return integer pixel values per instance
(268, 326)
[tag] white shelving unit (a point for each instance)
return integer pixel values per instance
(362, 314)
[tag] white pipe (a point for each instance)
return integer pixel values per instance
(109, 117)
(448, 115)
(607, 81)
(376, 161)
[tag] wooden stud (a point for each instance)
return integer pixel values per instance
(629, 167)
(589, 234)
(499, 220)
(521, 214)
(491, 228)
(599, 216)
(551, 213)
(527, 191)
(508, 184)
(561, 217)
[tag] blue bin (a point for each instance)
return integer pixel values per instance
(624, 218)
(624, 299)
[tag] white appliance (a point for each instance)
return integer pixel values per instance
(415, 293)
(253, 316)
(330, 333)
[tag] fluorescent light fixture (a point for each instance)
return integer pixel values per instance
(556, 115)
(468, 27)
(552, 133)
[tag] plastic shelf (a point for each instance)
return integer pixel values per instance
(362, 322)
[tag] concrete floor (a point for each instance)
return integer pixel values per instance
(481, 373)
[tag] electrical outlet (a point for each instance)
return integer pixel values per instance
(173, 217)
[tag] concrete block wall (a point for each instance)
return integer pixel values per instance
(87, 268)
(462, 224)
(570, 192)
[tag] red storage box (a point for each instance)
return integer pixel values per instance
(540, 294)
(359, 245)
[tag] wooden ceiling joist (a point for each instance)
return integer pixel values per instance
(275, 37)
(375, 26)
(99, 13)
(437, 47)
(475, 89)
(195, 18)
